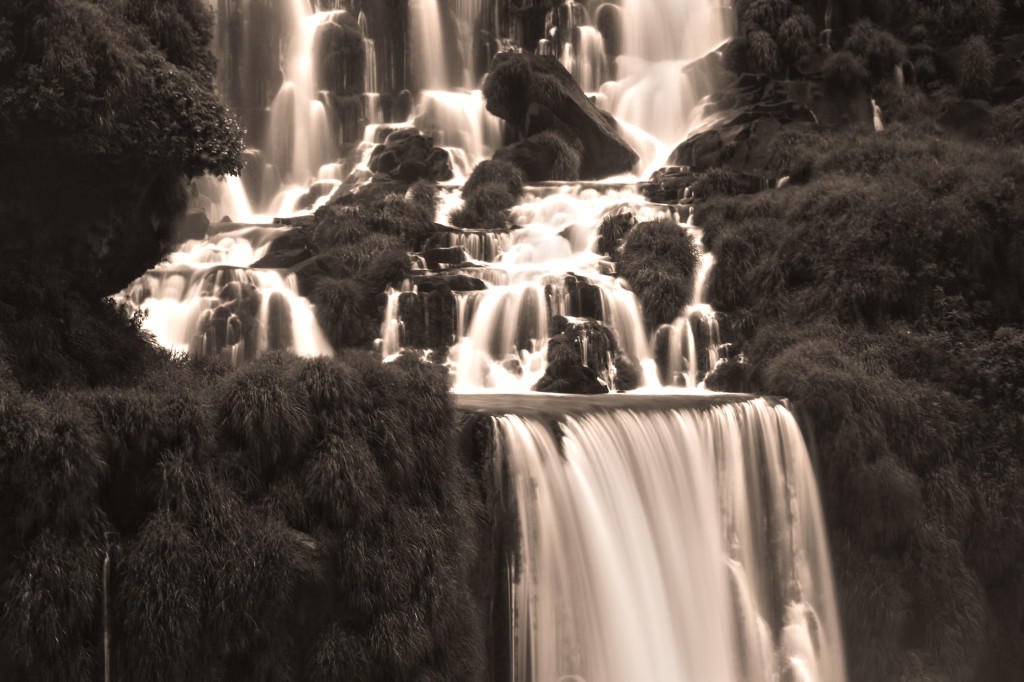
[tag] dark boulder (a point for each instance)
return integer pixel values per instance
(580, 351)
(700, 152)
(408, 156)
(287, 250)
(535, 93)
(446, 255)
(548, 155)
(318, 189)
(454, 282)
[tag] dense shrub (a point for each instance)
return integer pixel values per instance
(764, 53)
(877, 295)
(490, 171)
(301, 520)
(844, 71)
(879, 50)
(567, 154)
(486, 207)
(394, 215)
(491, 190)
(976, 69)
(659, 260)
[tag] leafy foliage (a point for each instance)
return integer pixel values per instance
(293, 517)
(883, 296)
(131, 79)
(659, 260)
(878, 49)
(977, 69)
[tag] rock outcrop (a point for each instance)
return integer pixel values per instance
(535, 94)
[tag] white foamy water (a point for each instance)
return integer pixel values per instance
(672, 544)
(206, 301)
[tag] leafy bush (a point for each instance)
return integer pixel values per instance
(879, 50)
(976, 69)
(796, 36)
(301, 518)
(567, 155)
(874, 295)
(486, 207)
(764, 53)
(491, 171)
(659, 260)
(150, 60)
(844, 71)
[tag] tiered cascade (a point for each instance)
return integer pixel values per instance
(656, 541)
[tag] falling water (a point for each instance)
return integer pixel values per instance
(430, 68)
(657, 542)
(667, 544)
(501, 332)
(207, 301)
(658, 90)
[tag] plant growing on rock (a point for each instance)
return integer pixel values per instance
(976, 70)
(659, 260)
(879, 50)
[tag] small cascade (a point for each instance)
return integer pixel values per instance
(207, 301)
(658, 89)
(666, 544)
(467, 12)
(371, 86)
(222, 198)
(688, 348)
(460, 123)
(546, 266)
(300, 140)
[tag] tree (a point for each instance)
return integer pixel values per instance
(106, 107)
(131, 79)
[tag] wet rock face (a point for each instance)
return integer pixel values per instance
(535, 94)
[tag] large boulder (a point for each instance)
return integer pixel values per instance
(408, 156)
(535, 93)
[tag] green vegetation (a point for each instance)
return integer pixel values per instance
(291, 519)
(105, 108)
(659, 259)
(885, 296)
(977, 69)
(490, 191)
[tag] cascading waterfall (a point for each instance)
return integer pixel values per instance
(206, 301)
(667, 544)
(430, 68)
(300, 138)
(656, 90)
(657, 541)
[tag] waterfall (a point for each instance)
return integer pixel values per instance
(430, 68)
(667, 544)
(657, 540)
(207, 301)
(657, 88)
